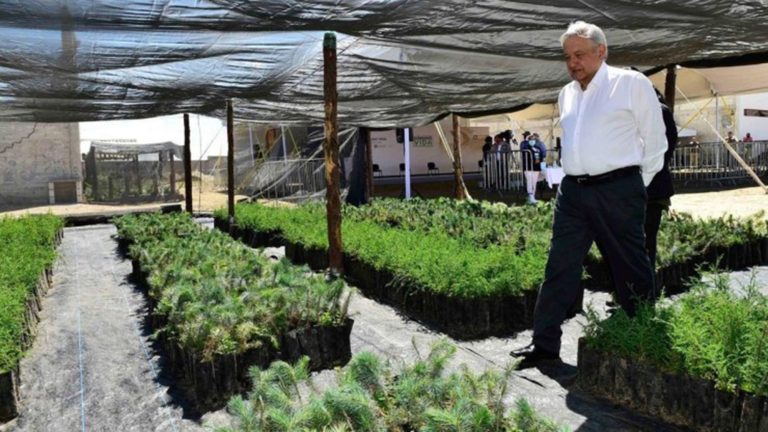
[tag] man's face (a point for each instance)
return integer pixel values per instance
(583, 58)
(496, 140)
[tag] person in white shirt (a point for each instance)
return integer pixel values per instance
(613, 144)
(533, 154)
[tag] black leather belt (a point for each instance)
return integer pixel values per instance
(605, 177)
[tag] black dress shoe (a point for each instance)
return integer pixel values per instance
(533, 356)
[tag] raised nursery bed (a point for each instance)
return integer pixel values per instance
(687, 244)
(700, 362)
(676, 398)
(10, 382)
(372, 395)
(210, 382)
(459, 317)
(674, 277)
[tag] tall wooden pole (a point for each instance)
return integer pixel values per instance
(187, 165)
(331, 150)
(368, 165)
(458, 176)
(90, 166)
(230, 162)
(669, 86)
(173, 173)
(137, 171)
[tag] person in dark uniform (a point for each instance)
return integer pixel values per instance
(526, 134)
(660, 190)
(509, 137)
(613, 145)
(487, 146)
(486, 162)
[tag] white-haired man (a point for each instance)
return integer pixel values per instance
(613, 144)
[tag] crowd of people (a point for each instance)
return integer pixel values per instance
(533, 153)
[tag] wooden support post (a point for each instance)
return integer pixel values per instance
(187, 166)
(93, 174)
(669, 86)
(158, 174)
(137, 171)
(173, 173)
(368, 166)
(230, 163)
(331, 150)
(743, 164)
(459, 188)
(126, 184)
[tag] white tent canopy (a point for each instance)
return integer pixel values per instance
(725, 81)
(695, 84)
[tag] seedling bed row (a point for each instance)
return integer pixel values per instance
(673, 278)
(460, 318)
(209, 385)
(10, 382)
(678, 399)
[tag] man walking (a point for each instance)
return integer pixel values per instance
(613, 145)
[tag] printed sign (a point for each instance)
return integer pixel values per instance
(427, 147)
(422, 141)
(755, 113)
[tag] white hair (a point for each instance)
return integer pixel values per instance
(586, 31)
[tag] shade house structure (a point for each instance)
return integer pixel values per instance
(125, 172)
(390, 63)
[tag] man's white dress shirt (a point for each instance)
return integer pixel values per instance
(615, 123)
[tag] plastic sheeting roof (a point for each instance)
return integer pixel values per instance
(401, 62)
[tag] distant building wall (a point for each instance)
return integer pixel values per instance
(752, 116)
(34, 154)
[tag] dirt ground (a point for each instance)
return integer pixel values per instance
(737, 202)
(206, 202)
(740, 202)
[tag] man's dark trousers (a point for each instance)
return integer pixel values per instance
(653, 215)
(612, 212)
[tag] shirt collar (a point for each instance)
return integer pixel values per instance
(597, 80)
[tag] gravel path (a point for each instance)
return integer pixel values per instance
(93, 367)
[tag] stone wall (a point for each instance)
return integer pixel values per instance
(34, 154)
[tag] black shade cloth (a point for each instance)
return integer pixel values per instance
(400, 62)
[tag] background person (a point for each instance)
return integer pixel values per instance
(660, 190)
(526, 134)
(509, 137)
(488, 144)
(533, 154)
(695, 150)
(498, 162)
